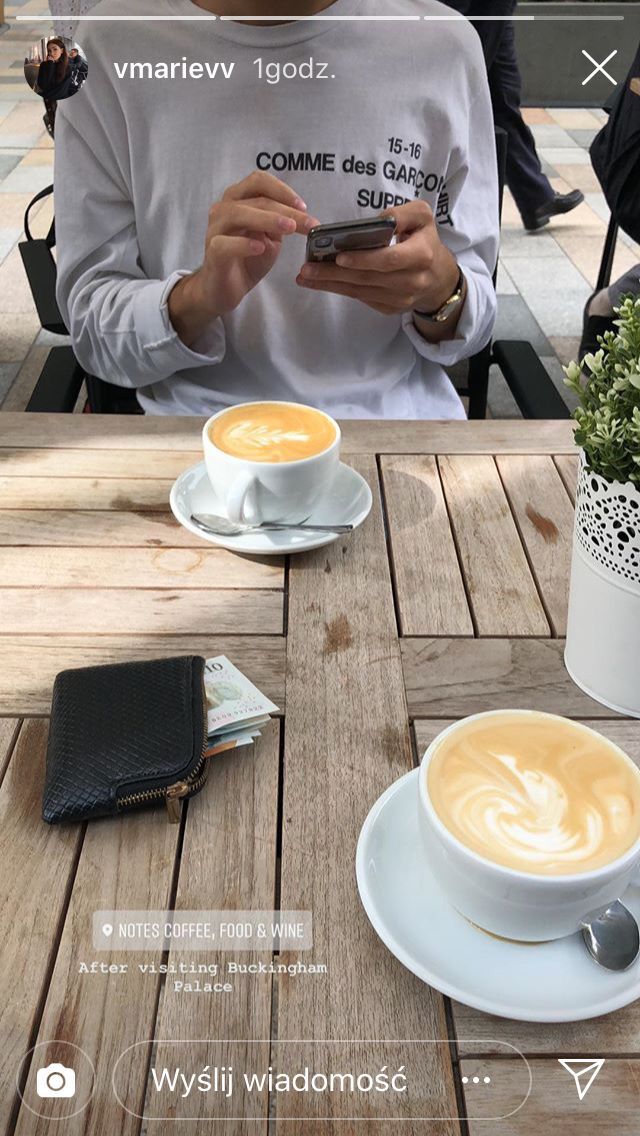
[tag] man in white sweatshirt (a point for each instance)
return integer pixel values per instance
(201, 152)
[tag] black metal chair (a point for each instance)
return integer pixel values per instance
(525, 375)
(613, 229)
(608, 254)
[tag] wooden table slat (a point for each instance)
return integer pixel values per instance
(126, 864)
(157, 432)
(38, 864)
(104, 463)
(8, 734)
(97, 529)
(175, 568)
(450, 678)
(502, 593)
(610, 1036)
(145, 611)
(428, 581)
(346, 739)
(229, 857)
(30, 663)
(544, 516)
(125, 494)
(568, 466)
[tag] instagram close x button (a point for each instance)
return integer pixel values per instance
(56, 1080)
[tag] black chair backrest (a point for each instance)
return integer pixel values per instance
(502, 143)
(477, 382)
(107, 398)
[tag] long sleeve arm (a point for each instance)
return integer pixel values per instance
(117, 317)
(469, 225)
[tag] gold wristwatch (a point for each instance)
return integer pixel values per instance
(449, 307)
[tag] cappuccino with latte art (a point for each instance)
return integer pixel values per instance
(536, 793)
(272, 432)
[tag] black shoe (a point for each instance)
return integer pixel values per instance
(592, 328)
(554, 207)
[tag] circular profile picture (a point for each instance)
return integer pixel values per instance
(55, 68)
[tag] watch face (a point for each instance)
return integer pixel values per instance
(448, 307)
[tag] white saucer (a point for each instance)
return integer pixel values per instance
(348, 502)
(541, 982)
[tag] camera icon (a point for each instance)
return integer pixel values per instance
(55, 1081)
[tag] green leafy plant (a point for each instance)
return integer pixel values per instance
(608, 387)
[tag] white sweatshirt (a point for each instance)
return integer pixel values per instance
(395, 110)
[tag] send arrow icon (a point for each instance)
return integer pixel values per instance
(584, 1072)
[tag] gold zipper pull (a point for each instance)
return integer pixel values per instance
(173, 800)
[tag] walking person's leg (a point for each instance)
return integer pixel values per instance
(532, 191)
(490, 31)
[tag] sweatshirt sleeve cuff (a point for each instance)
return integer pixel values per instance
(158, 336)
(473, 330)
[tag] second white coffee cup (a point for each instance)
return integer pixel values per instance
(510, 903)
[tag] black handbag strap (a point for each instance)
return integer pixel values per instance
(50, 238)
(40, 268)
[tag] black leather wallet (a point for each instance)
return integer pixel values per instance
(125, 736)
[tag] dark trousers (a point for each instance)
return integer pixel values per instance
(528, 184)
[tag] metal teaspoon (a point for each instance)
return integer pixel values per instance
(221, 526)
(611, 937)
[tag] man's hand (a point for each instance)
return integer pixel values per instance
(244, 237)
(418, 272)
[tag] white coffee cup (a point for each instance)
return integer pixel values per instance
(252, 492)
(513, 904)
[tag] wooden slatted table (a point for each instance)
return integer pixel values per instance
(449, 600)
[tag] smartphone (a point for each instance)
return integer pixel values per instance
(324, 242)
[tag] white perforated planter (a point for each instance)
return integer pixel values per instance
(602, 653)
